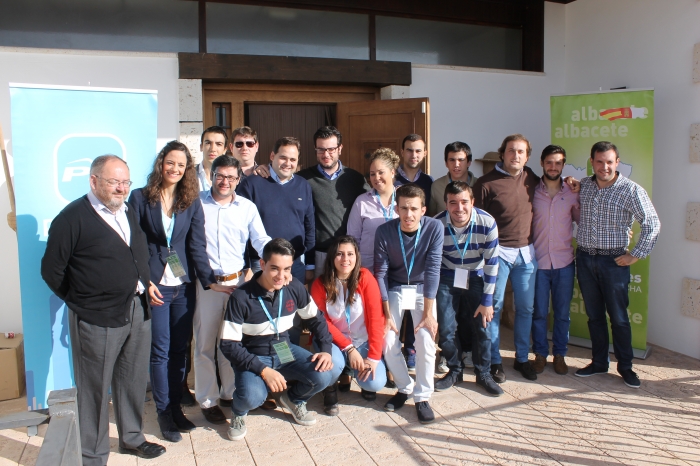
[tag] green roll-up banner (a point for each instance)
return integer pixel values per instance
(625, 118)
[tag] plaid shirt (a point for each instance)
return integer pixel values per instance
(607, 215)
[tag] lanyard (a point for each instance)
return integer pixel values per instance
(403, 251)
(386, 212)
(279, 312)
(347, 310)
(169, 232)
(466, 244)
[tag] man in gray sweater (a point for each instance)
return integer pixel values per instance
(407, 256)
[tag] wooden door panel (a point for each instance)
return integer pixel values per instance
(367, 126)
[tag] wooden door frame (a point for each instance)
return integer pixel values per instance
(237, 94)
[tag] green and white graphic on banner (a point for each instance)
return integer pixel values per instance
(625, 118)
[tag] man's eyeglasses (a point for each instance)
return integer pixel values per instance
(330, 150)
(230, 179)
(111, 182)
(239, 144)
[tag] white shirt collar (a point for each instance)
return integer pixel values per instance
(99, 206)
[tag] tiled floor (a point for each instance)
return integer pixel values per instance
(555, 420)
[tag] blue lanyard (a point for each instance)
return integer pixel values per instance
(466, 244)
(169, 232)
(403, 251)
(279, 312)
(386, 212)
(347, 310)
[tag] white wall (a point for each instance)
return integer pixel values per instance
(75, 68)
(482, 107)
(642, 44)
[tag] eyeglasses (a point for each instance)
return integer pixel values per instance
(239, 144)
(230, 179)
(330, 150)
(111, 182)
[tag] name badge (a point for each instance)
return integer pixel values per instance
(408, 297)
(461, 279)
(175, 265)
(283, 352)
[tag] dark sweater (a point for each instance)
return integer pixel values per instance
(424, 181)
(509, 200)
(332, 202)
(247, 332)
(286, 210)
(90, 267)
(389, 268)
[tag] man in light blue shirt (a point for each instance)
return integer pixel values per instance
(230, 220)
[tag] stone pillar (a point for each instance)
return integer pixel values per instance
(191, 115)
(395, 92)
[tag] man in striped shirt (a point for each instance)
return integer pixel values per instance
(467, 281)
(610, 203)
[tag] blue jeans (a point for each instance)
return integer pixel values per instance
(455, 316)
(560, 284)
(522, 279)
(251, 390)
(604, 286)
(171, 331)
(370, 385)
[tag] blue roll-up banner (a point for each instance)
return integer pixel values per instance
(57, 131)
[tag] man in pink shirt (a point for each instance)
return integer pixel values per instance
(555, 208)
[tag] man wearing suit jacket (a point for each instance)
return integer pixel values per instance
(96, 261)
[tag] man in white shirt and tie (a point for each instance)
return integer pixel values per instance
(230, 220)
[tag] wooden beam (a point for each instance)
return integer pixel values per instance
(202, 13)
(504, 13)
(533, 36)
(293, 70)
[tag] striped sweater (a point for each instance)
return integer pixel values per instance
(481, 256)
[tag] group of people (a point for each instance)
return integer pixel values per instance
(242, 259)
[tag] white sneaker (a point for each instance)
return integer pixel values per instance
(298, 411)
(442, 366)
(237, 430)
(467, 359)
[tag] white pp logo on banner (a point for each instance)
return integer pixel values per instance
(72, 156)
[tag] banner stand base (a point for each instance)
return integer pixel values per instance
(586, 343)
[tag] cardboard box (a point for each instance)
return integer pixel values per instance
(12, 364)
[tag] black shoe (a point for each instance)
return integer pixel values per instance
(452, 378)
(630, 378)
(187, 398)
(168, 428)
(497, 373)
(330, 400)
(214, 415)
(487, 383)
(526, 369)
(590, 370)
(183, 424)
(396, 402)
(390, 384)
(146, 450)
(369, 396)
(225, 403)
(425, 412)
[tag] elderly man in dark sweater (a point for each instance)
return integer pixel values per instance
(335, 189)
(407, 257)
(96, 260)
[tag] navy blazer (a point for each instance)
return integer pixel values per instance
(189, 239)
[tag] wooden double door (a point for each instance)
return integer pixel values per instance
(274, 111)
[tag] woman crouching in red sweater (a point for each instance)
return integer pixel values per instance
(348, 296)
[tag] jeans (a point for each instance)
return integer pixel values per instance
(604, 286)
(251, 389)
(455, 316)
(371, 384)
(171, 331)
(560, 284)
(522, 279)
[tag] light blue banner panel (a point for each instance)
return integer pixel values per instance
(57, 131)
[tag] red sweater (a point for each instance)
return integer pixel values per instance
(372, 310)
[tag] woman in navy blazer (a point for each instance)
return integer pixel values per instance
(171, 215)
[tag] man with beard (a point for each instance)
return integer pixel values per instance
(334, 189)
(555, 208)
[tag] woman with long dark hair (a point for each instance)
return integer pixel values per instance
(170, 213)
(348, 295)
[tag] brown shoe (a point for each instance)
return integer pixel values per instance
(270, 403)
(539, 363)
(560, 366)
(214, 415)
